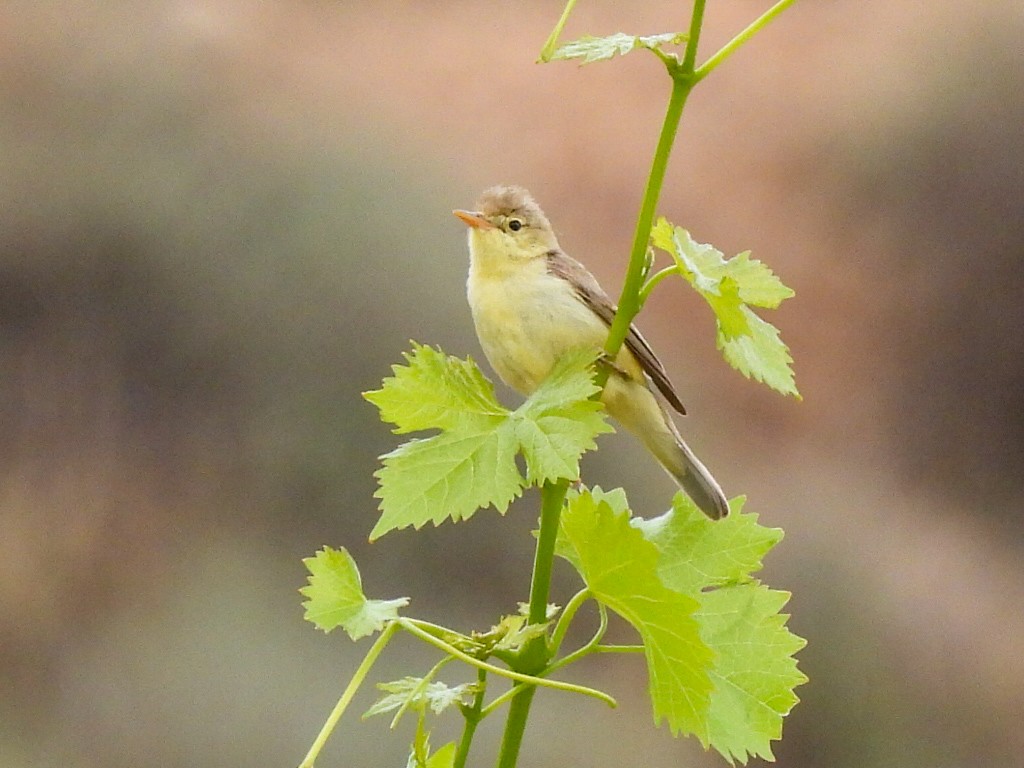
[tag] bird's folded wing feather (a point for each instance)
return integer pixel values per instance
(591, 294)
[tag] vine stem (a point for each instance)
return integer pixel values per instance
(521, 678)
(536, 653)
(347, 695)
(683, 80)
(472, 717)
(731, 47)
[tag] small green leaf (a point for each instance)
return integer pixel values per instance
(730, 286)
(419, 694)
(590, 49)
(435, 391)
(621, 570)
(761, 355)
(444, 757)
(515, 632)
(336, 599)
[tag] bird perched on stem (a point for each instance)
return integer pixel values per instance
(531, 303)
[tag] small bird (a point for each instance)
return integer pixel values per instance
(531, 303)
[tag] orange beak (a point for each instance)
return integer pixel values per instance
(474, 220)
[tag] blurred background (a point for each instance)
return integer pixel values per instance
(221, 220)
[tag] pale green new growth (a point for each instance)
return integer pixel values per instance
(420, 755)
(513, 632)
(471, 464)
(435, 391)
(620, 568)
(731, 286)
(590, 49)
(336, 599)
(418, 694)
(443, 758)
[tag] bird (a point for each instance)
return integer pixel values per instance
(531, 303)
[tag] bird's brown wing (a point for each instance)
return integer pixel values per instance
(591, 294)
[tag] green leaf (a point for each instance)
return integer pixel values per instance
(419, 694)
(419, 753)
(336, 599)
(757, 283)
(754, 671)
(444, 757)
(435, 391)
(559, 421)
(760, 355)
(472, 463)
(697, 552)
(730, 287)
(620, 568)
(590, 49)
(448, 476)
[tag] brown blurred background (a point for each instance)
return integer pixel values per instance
(221, 220)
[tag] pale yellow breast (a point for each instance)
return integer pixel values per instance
(526, 319)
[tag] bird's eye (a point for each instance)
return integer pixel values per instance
(515, 224)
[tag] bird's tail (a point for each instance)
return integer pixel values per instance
(636, 408)
(688, 471)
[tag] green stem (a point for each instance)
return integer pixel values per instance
(619, 648)
(473, 716)
(629, 299)
(348, 693)
(587, 649)
(696, 22)
(682, 84)
(733, 45)
(649, 286)
(420, 688)
(552, 42)
(515, 726)
(500, 700)
(409, 625)
(552, 498)
(568, 613)
(536, 653)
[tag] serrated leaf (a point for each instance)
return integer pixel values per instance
(419, 694)
(434, 391)
(336, 599)
(761, 355)
(748, 343)
(444, 757)
(620, 568)
(757, 283)
(697, 552)
(559, 421)
(590, 49)
(472, 463)
(754, 673)
(516, 632)
(447, 477)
